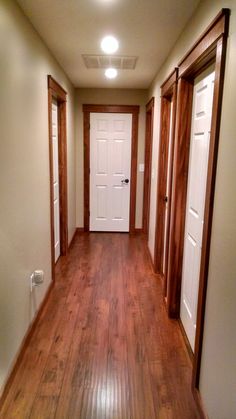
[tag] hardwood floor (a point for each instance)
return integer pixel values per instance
(104, 347)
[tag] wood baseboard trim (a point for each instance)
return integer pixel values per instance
(24, 344)
(73, 238)
(186, 342)
(199, 403)
(150, 257)
(162, 283)
(80, 229)
(195, 391)
(138, 231)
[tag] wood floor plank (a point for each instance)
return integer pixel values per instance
(117, 404)
(51, 382)
(104, 347)
(142, 405)
(169, 363)
(81, 348)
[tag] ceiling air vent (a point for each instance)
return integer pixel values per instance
(105, 61)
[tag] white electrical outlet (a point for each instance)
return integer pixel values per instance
(141, 167)
(36, 278)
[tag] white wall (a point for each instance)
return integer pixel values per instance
(218, 368)
(108, 97)
(24, 174)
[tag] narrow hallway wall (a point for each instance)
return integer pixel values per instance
(25, 63)
(218, 368)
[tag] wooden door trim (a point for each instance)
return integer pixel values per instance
(205, 47)
(57, 92)
(148, 165)
(168, 94)
(210, 47)
(131, 109)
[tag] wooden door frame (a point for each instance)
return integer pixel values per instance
(134, 110)
(55, 91)
(148, 164)
(168, 95)
(210, 48)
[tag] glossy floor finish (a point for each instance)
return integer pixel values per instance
(104, 347)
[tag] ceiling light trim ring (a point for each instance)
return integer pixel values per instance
(109, 44)
(111, 73)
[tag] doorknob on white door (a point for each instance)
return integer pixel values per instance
(125, 181)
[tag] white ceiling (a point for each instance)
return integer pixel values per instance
(145, 28)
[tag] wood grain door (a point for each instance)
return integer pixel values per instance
(198, 164)
(110, 164)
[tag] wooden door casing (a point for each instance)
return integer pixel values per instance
(134, 110)
(57, 92)
(168, 96)
(148, 165)
(56, 183)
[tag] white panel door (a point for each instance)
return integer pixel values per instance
(110, 162)
(56, 201)
(198, 164)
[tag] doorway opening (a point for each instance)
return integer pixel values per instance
(195, 204)
(58, 170)
(105, 110)
(110, 163)
(164, 187)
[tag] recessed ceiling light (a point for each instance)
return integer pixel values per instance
(111, 73)
(109, 44)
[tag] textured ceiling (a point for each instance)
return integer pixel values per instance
(147, 29)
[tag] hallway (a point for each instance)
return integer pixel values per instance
(104, 347)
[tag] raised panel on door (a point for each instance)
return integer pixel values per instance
(197, 176)
(117, 158)
(110, 161)
(102, 202)
(190, 270)
(102, 157)
(117, 203)
(56, 201)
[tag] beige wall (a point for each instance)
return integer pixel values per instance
(108, 97)
(24, 177)
(218, 368)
